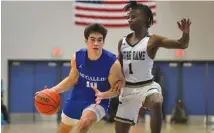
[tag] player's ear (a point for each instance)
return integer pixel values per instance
(86, 41)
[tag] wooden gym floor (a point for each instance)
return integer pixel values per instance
(102, 127)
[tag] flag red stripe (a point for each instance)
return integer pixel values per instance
(122, 2)
(102, 17)
(106, 25)
(115, 2)
(99, 17)
(104, 9)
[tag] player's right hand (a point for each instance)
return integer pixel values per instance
(42, 90)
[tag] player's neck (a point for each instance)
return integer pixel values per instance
(94, 55)
(140, 33)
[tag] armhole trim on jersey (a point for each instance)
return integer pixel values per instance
(149, 36)
(123, 42)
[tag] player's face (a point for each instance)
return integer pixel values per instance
(95, 42)
(136, 19)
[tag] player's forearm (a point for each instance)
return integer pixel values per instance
(64, 85)
(115, 91)
(110, 94)
(184, 40)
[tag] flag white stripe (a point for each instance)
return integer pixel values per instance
(95, 13)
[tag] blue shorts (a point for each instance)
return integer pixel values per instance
(73, 110)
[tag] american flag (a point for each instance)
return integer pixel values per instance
(107, 12)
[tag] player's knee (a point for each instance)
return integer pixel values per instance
(157, 102)
(85, 123)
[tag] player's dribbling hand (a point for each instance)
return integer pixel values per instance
(99, 96)
(41, 90)
(44, 89)
(184, 25)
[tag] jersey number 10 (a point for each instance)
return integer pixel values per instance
(130, 68)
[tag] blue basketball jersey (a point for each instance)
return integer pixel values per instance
(91, 73)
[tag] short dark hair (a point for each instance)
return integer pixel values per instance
(143, 8)
(95, 28)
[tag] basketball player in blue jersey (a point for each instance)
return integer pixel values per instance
(137, 53)
(94, 76)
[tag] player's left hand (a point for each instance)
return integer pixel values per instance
(99, 95)
(184, 25)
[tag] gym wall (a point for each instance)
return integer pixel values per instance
(30, 30)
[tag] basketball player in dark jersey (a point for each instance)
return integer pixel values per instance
(136, 53)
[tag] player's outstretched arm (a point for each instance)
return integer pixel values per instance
(70, 80)
(182, 43)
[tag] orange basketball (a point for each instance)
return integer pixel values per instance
(47, 102)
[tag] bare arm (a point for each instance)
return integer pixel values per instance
(115, 76)
(182, 43)
(120, 56)
(70, 80)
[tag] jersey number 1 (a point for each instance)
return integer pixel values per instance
(130, 68)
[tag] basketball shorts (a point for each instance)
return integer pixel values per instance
(131, 100)
(73, 110)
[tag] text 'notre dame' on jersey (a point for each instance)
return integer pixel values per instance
(134, 55)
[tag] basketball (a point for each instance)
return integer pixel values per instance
(47, 102)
